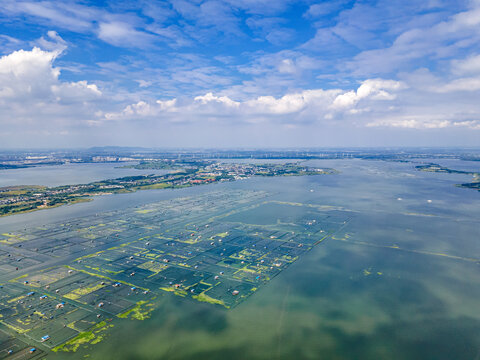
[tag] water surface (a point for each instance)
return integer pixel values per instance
(400, 281)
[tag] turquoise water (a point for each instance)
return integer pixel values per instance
(400, 281)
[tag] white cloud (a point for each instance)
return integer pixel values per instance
(279, 72)
(287, 66)
(422, 122)
(462, 84)
(467, 66)
(424, 43)
(28, 73)
(142, 109)
(375, 103)
(168, 105)
(30, 89)
(317, 99)
(66, 15)
(9, 44)
(410, 123)
(376, 89)
(306, 105)
(124, 29)
(317, 10)
(472, 124)
(209, 97)
(123, 34)
(53, 42)
(172, 34)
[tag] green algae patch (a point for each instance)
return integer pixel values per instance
(155, 268)
(92, 337)
(18, 278)
(18, 298)
(14, 328)
(369, 271)
(205, 298)
(145, 211)
(179, 292)
(90, 255)
(78, 293)
(140, 311)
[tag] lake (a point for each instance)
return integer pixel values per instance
(400, 281)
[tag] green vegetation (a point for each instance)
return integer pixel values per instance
(93, 336)
(78, 293)
(205, 298)
(141, 311)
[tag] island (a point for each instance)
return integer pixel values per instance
(431, 167)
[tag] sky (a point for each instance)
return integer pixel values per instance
(239, 73)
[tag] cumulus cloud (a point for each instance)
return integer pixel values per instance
(375, 103)
(143, 109)
(377, 89)
(292, 103)
(210, 98)
(306, 105)
(30, 88)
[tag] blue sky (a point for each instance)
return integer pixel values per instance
(239, 73)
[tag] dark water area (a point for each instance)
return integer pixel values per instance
(400, 281)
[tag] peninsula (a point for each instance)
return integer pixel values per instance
(25, 198)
